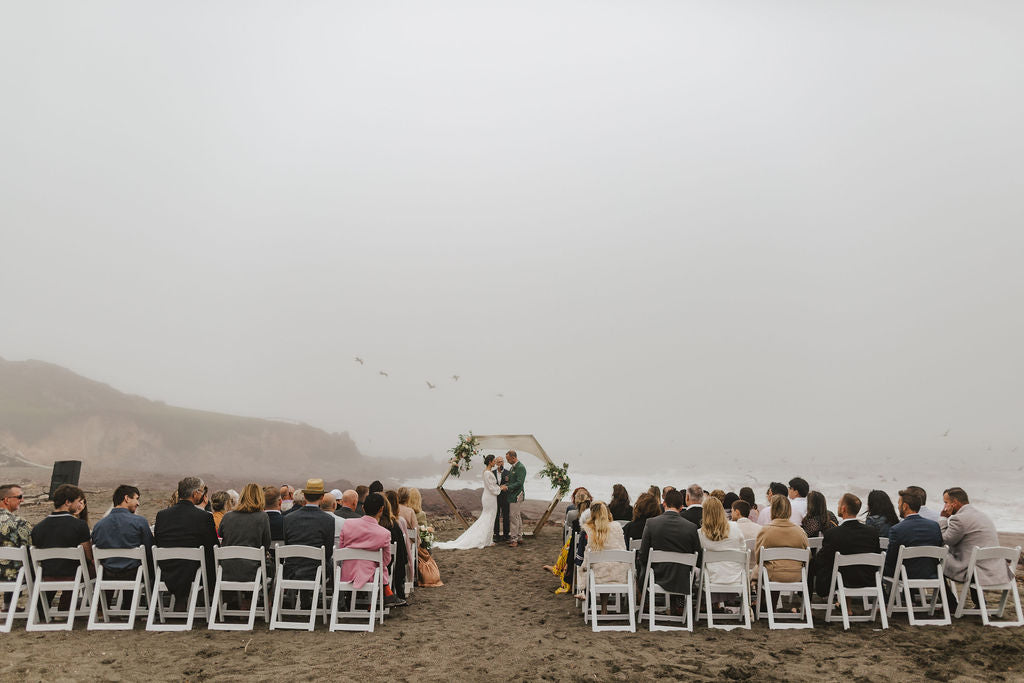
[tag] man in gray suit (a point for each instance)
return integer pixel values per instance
(965, 527)
(669, 531)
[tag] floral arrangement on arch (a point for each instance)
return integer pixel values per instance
(462, 454)
(559, 477)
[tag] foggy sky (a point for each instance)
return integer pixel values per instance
(667, 230)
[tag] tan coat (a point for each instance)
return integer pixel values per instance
(780, 533)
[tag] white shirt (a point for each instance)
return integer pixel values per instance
(928, 513)
(799, 510)
(844, 520)
(748, 529)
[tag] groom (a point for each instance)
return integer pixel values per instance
(501, 517)
(514, 488)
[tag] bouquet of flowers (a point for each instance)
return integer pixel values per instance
(426, 536)
(559, 477)
(462, 454)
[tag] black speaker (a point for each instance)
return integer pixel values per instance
(65, 472)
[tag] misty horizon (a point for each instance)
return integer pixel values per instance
(662, 232)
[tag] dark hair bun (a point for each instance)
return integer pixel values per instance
(488, 459)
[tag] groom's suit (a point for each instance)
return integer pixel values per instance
(516, 480)
(501, 518)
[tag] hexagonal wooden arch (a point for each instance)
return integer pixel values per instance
(520, 443)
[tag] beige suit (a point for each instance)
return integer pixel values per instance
(962, 532)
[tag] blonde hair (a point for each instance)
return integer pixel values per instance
(403, 495)
(415, 500)
(597, 526)
(713, 522)
(252, 499)
(781, 509)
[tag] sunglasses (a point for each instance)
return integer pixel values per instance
(21, 497)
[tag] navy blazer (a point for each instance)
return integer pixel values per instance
(915, 530)
(276, 525)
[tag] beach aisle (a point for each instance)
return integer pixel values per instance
(497, 618)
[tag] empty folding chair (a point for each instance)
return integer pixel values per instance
(839, 590)
(317, 586)
(159, 611)
(741, 588)
(11, 591)
(121, 587)
(256, 588)
(1007, 586)
(652, 591)
(596, 590)
(364, 612)
(766, 603)
(900, 596)
(80, 586)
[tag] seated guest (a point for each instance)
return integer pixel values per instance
(396, 526)
(747, 496)
(849, 538)
(741, 515)
(718, 533)
(349, 502)
(61, 529)
(926, 511)
(646, 508)
(694, 501)
(247, 524)
(780, 532)
(309, 525)
(376, 487)
(329, 505)
(572, 512)
(672, 532)
(272, 507)
(220, 501)
(776, 488)
(564, 567)
(728, 500)
(287, 494)
(912, 532)
(818, 518)
(15, 532)
(404, 511)
(186, 525)
(797, 492)
(964, 528)
(367, 533)
(656, 492)
(416, 503)
(720, 495)
(604, 534)
(881, 513)
(362, 491)
(122, 528)
(620, 506)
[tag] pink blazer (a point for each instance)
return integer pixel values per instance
(363, 533)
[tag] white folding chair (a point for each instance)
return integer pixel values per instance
(373, 607)
(11, 590)
(634, 544)
(1011, 557)
(80, 586)
(138, 586)
(414, 545)
(839, 590)
(766, 605)
(901, 586)
(652, 591)
(815, 543)
(256, 588)
(883, 542)
(157, 609)
(595, 590)
(318, 586)
(741, 588)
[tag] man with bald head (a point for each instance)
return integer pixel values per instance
(347, 505)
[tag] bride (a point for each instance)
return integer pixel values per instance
(479, 534)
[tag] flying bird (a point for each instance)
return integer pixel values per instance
(945, 433)
(431, 386)
(382, 373)
(455, 377)
(501, 395)
(359, 360)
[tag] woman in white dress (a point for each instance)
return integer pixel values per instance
(479, 534)
(716, 532)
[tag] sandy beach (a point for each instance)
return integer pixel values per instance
(497, 618)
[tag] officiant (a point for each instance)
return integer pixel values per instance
(501, 532)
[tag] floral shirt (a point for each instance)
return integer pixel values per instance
(14, 532)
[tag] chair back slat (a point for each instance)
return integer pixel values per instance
(238, 552)
(627, 556)
(304, 551)
(667, 556)
(341, 554)
(919, 551)
(43, 554)
(194, 554)
(997, 553)
(860, 560)
(126, 553)
(739, 556)
(795, 554)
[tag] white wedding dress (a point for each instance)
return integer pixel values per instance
(479, 534)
